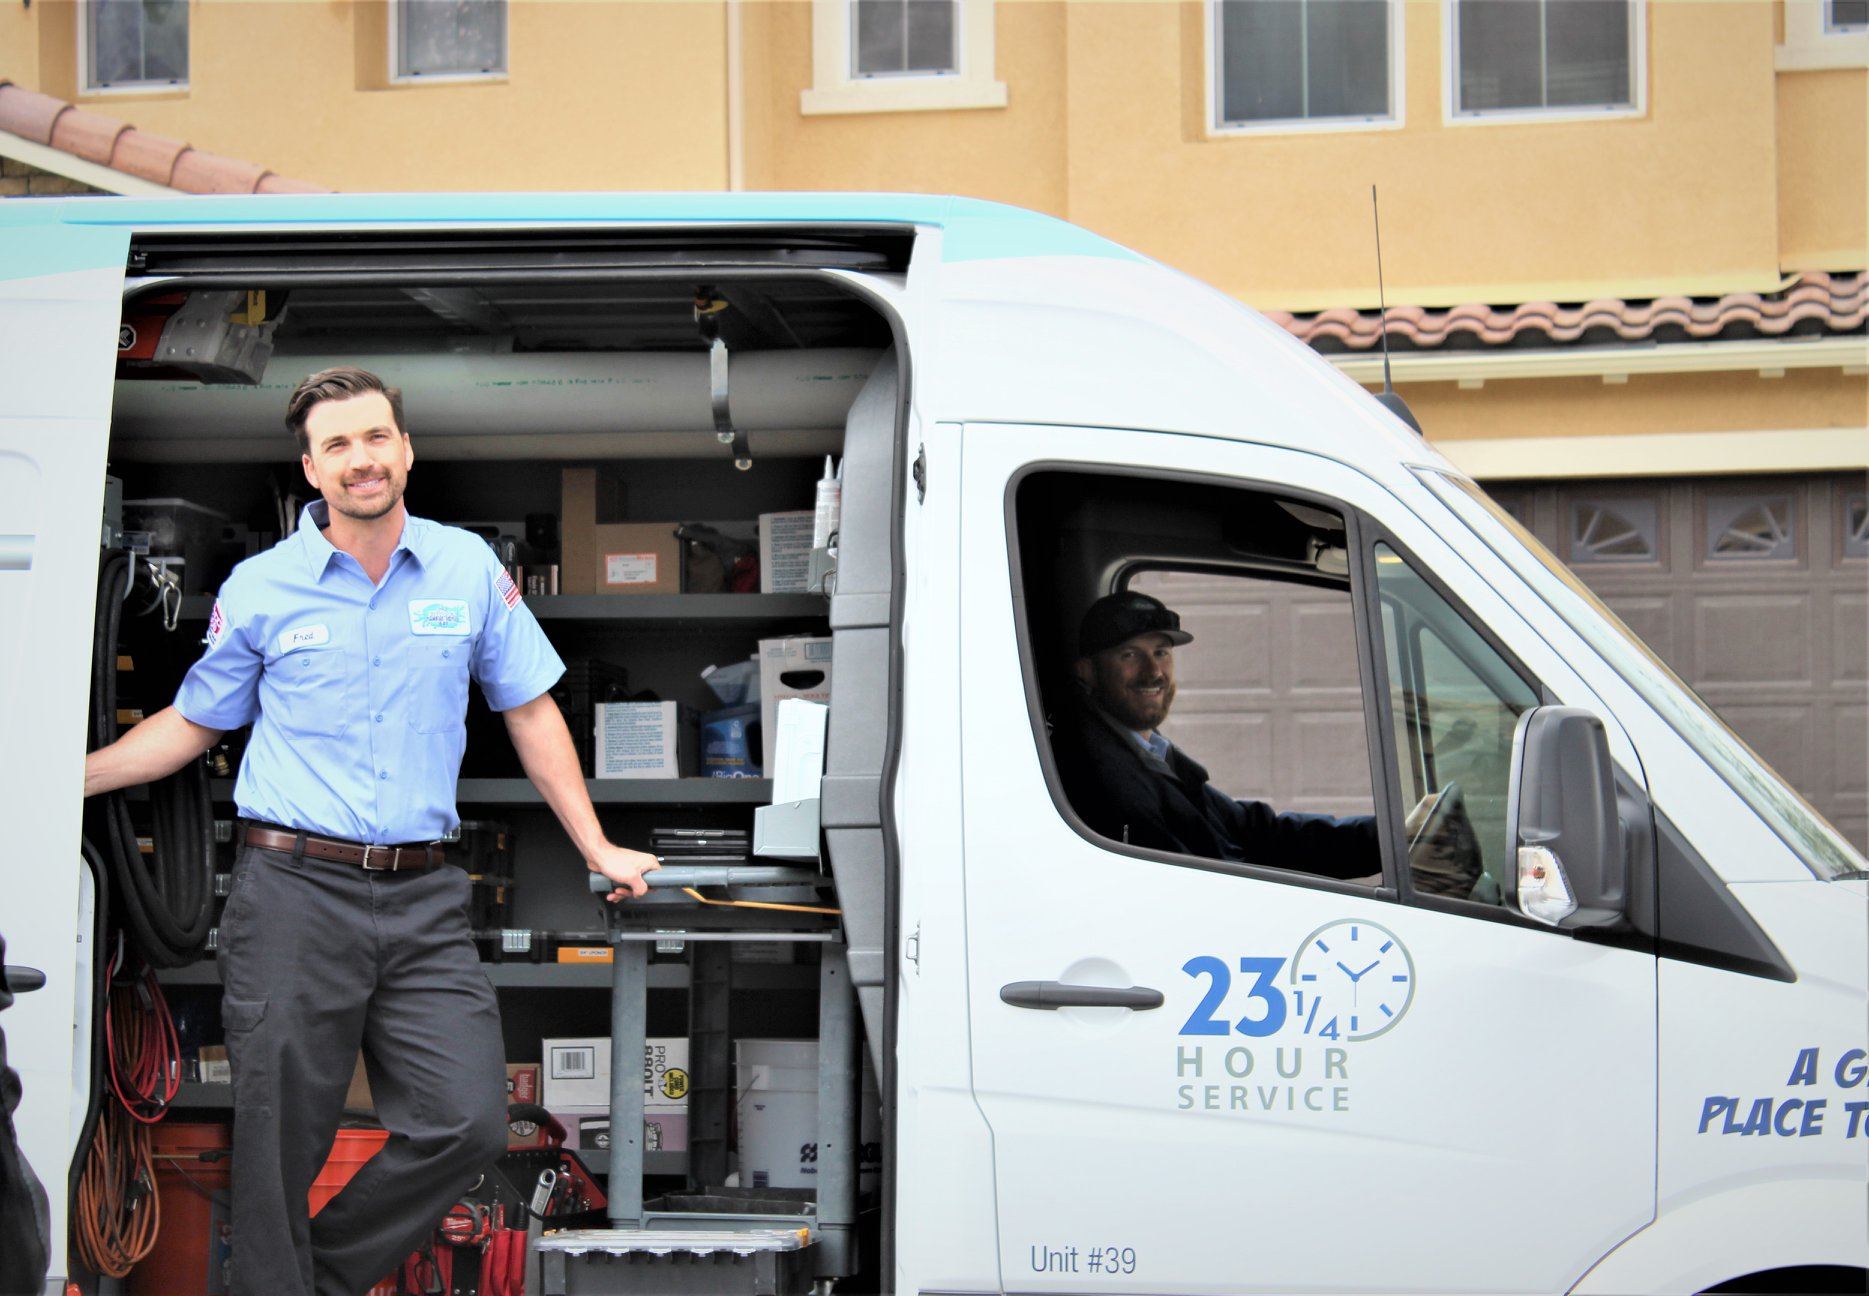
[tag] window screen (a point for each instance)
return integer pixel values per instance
(903, 37)
(450, 37)
(1302, 60)
(1517, 55)
(1846, 15)
(136, 42)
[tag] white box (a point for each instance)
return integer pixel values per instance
(577, 1073)
(642, 740)
(587, 1129)
(798, 667)
(785, 552)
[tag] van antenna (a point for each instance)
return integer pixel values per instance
(1388, 395)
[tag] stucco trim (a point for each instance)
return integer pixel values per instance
(1611, 363)
(60, 163)
(1661, 454)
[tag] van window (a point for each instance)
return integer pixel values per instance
(1194, 649)
(1455, 703)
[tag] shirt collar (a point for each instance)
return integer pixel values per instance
(1153, 744)
(319, 551)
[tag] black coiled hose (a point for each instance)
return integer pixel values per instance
(164, 901)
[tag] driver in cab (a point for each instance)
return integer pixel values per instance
(1128, 782)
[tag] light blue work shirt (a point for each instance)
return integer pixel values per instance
(357, 693)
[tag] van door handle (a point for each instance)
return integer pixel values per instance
(1052, 995)
(20, 979)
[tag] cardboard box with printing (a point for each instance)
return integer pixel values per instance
(577, 1073)
(643, 740)
(611, 557)
(796, 667)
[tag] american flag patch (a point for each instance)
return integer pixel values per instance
(509, 592)
(217, 624)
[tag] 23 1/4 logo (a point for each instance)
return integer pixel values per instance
(1348, 980)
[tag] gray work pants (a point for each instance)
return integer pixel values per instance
(318, 958)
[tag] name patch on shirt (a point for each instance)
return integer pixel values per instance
(306, 636)
(439, 617)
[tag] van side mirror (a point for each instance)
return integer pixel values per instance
(1561, 812)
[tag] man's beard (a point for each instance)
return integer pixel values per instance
(1136, 712)
(365, 510)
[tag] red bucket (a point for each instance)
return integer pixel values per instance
(352, 1149)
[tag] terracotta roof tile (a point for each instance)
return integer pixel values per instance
(1814, 302)
(210, 173)
(150, 157)
(121, 147)
(92, 136)
(28, 113)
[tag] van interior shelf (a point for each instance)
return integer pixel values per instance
(734, 609)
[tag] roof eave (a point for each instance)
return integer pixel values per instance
(71, 167)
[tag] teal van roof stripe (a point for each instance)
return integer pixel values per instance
(972, 230)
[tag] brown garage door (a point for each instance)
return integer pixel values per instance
(1755, 590)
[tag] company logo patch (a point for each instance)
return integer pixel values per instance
(217, 626)
(509, 592)
(305, 636)
(439, 617)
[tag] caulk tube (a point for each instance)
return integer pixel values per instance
(829, 505)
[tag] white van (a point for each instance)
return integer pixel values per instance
(1625, 1052)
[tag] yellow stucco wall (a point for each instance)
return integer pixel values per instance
(1589, 407)
(598, 96)
(1823, 141)
(1013, 154)
(1679, 196)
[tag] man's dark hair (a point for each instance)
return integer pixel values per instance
(340, 383)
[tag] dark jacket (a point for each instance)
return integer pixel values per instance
(1125, 793)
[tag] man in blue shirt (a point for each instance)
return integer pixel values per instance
(348, 647)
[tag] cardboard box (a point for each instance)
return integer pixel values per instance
(611, 557)
(587, 1129)
(799, 667)
(522, 1086)
(785, 552)
(643, 740)
(577, 1073)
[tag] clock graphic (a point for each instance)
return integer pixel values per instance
(1351, 980)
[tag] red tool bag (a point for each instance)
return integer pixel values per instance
(480, 1247)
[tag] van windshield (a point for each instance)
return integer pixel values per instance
(1823, 850)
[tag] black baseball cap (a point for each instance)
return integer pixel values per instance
(1116, 618)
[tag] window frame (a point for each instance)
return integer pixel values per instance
(396, 77)
(1387, 814)
(1811, 44)
(1461, 907)
(835, 87)
(1452, 114)
(88, 85)
(1217, 128)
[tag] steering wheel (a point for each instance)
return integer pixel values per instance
(1443, 853)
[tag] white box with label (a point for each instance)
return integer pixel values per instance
(577, 1073)
(795, 667)
(642, 740)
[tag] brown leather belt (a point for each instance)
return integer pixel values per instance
(377, 859)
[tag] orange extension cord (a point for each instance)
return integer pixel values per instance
(119, 1212)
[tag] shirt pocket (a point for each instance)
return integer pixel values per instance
(317, 686)
(438, 685)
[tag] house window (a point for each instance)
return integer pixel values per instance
(904, 38)
(1541, 56)
(1284, 61)
(1846, 16)
(135, 44)
(448, 38)
(870, 56)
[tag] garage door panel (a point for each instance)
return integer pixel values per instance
(1849, 638)
(1322, 644)
(1753, 639)
(1652, 618)
(1232, 648)
(1850, 725)
(1236, 746)
(1333, 761)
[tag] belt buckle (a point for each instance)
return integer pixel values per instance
(379, 868)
